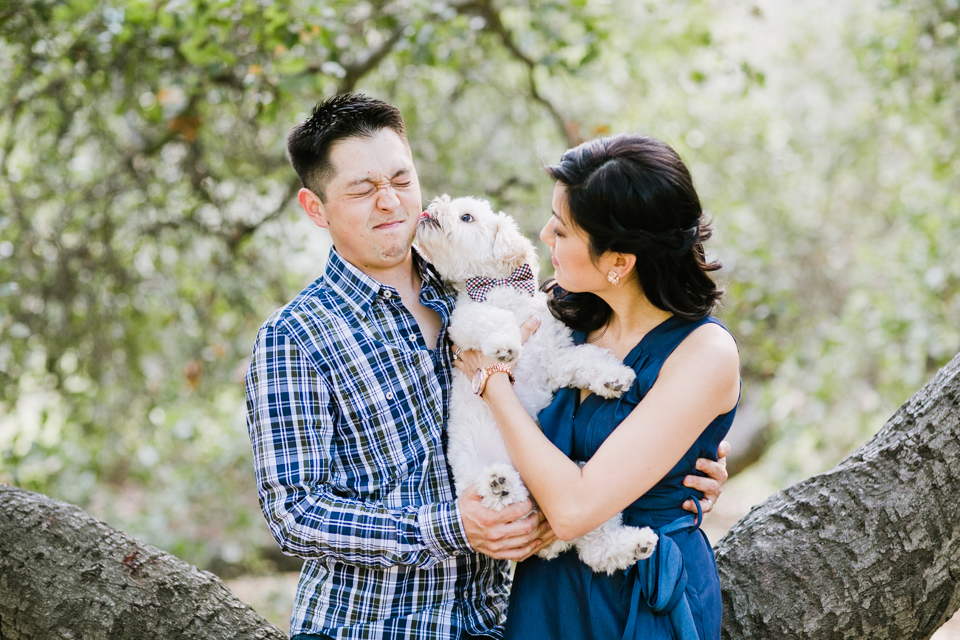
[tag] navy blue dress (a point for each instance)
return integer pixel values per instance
(674, 594)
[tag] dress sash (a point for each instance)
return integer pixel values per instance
(661, 581)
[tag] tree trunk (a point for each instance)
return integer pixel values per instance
(870, 549)
(66, 575)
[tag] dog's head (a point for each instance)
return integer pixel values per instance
(464, 238)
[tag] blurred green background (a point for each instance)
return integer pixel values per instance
(149, 224)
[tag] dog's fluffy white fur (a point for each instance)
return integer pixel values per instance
(464, 238)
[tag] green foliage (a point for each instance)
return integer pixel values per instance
(148, 220)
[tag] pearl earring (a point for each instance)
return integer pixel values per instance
(613, 278)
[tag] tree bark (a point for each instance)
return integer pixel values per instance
(66, 575)
(868, 550)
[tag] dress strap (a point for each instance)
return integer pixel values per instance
(661, 581)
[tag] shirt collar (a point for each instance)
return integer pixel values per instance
(360, 290)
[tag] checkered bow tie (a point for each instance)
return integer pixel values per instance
(521, 278)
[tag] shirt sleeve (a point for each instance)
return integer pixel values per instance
(290, 419)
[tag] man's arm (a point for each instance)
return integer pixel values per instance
(290, 423)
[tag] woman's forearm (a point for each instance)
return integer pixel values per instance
(554, 480)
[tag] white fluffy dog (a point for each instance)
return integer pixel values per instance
(493, 267)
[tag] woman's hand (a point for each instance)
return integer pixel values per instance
(469, 360)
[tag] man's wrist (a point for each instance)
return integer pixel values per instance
(442, 530)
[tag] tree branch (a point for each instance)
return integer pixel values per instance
(869, 550)
(368, 62)
(65, 574)
(486, 10)
(243, 231)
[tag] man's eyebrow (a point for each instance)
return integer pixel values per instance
(355, 183)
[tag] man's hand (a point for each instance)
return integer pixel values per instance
(548, 539)
(513, 533)
(711, 486)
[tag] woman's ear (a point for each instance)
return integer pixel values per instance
(312, 204)
(620, 263)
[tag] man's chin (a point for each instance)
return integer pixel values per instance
(396, 251)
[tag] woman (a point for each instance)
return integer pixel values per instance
(625, 239)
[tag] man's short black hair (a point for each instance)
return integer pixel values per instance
(347, 115)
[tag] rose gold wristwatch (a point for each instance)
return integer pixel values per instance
(481, 376)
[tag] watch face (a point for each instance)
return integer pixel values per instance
(477, 380)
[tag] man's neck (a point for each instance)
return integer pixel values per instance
(404, 276)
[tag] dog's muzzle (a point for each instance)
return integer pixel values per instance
(427, 220)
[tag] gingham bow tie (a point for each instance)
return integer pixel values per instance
(521, 278)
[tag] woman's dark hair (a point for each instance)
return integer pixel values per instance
(632, 194)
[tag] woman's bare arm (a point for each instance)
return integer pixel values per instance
(698, 382)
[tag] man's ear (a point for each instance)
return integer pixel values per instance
(312, 204)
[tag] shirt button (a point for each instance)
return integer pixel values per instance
(387, 294)
(389, 396)
(412, 337)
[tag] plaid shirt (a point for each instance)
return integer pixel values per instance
(345, 408)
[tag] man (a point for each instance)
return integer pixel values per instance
(347, 396)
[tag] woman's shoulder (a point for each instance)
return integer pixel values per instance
(707, 360)
(711, 342)
(700, 348)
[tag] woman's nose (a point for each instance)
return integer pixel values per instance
(545, 234)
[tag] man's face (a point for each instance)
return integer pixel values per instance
(373, 201)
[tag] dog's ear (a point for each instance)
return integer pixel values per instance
(440, 203)
(510, 247)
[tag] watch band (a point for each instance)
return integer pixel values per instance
(482, 375)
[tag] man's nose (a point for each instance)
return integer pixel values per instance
(387, 198)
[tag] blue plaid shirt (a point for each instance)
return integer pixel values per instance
(345, 408)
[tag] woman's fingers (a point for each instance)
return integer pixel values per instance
(529, 327)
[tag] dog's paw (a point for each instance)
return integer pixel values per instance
(502, 348)
(500, 485)
(643, 541)
(616, 384)
(506, 354)
(614, 547)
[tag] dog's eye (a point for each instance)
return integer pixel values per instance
(467, 217)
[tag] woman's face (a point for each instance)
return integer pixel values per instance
(569, 249)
